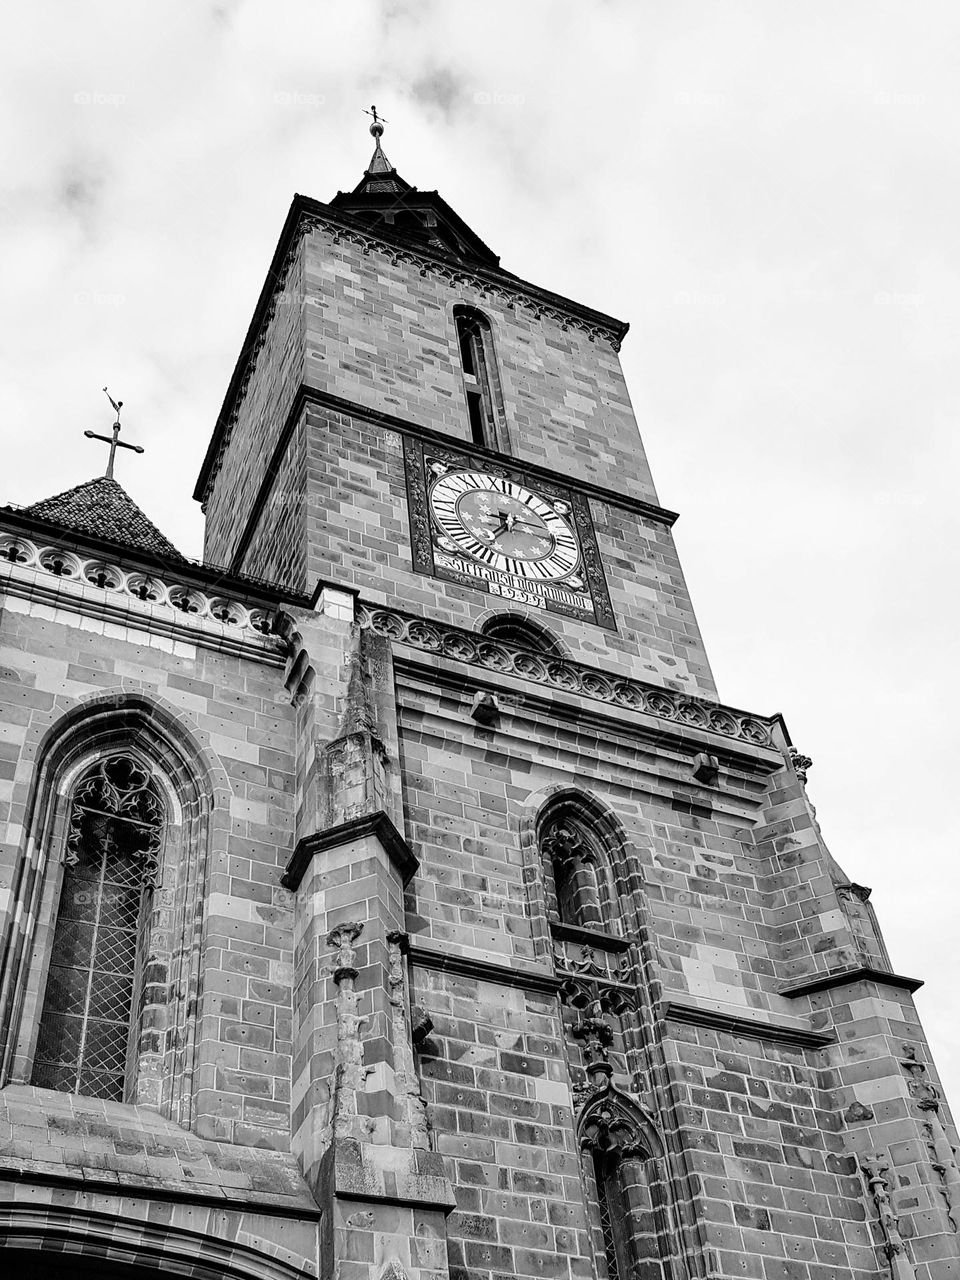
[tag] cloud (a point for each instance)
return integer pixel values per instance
(441, 89)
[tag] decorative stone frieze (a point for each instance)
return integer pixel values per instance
(185, 600)
(570, 677)
(512, 293)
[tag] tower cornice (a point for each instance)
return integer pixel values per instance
(307, 214)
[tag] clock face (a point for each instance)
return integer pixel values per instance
(505, 526)
(496, 531)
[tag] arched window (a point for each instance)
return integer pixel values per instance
(90, 1019)
(512, 629)
(481, 381)
(623, 1167)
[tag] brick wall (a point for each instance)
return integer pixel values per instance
(53, 662)
(271, 382)
(381, 333)
(358, 535)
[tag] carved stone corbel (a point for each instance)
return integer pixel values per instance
(876, 1168)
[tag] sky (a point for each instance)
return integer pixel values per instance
(766, 191)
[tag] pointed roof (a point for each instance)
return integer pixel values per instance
(390, 203)
(380, 175)
(103, 509)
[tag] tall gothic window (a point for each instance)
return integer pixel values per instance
(90, 1008)
(480, 379)
(631, 1217)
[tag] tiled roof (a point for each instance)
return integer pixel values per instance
(101, 508)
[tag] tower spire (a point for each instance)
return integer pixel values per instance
(379, 163)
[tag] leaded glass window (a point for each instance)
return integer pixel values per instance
(114, 838)
(613, 1216)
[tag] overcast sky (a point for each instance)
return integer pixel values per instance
(766, 191)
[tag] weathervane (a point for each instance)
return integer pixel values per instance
(378, 121)
(113, 441)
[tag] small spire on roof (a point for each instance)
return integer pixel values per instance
(379, 162)
(113, 441)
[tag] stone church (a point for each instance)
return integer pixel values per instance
(390, 896)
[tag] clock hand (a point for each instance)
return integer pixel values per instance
(527, 525)
(494, 534)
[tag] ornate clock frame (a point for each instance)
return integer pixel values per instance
(589, 603)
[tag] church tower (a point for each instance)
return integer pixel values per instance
(391, 896)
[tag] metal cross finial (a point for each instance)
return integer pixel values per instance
(113, 441)
(378, 121)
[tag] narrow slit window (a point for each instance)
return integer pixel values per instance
(90, 1006)
(480, 380)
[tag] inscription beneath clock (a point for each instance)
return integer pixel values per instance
(520, 590)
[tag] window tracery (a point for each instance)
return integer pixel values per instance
(113, 845)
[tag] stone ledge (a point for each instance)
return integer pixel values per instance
(844, 977)
(483, 970)
(599, 939)
(777, 1032)
(376, 824)
(237, 1199)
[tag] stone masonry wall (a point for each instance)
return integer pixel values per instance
(279, 547)
(273, 380)
(358, 535)
(770, 1135)
(381, 333)
(52, 661)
